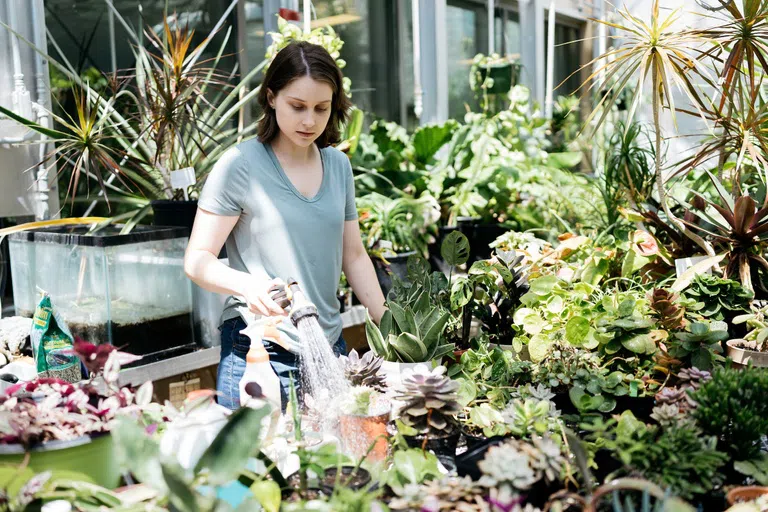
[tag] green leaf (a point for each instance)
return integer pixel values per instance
(607, 405)
(435, 331)
(455, 249)
(428, 139)
(233, 446)
(374, 337)
(538, 348)
(627, 307)
(268, 494)
(180, 493)
(404, 319)
(701, 359)
(462, 292)
(410, 348)
(138, 453)
(576, 330)
(467, 392)
(565, 160)
(640, 344)
(51, 134)
(543, 285)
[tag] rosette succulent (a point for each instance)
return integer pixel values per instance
(364, 371)
(431, 400)
(520, 464)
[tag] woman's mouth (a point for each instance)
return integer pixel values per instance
(306, 135)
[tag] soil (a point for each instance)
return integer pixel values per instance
(357, 481)
(159, 338)
(141, 338)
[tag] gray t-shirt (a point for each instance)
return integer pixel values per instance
(281, 233)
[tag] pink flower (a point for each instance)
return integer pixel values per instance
(644, 244)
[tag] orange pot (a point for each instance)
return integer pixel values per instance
(358, 433)
(748, 493)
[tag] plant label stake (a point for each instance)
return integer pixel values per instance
(183, 178)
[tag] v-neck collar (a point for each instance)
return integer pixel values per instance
(290, 184)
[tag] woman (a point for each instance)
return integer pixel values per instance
(285, 205)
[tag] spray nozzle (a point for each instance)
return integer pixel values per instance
(292, 299)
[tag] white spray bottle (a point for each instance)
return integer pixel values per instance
(259, 371)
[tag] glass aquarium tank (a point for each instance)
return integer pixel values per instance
(129, 290)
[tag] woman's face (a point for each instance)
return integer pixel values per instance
(303, 108)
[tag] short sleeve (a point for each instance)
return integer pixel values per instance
(227, 183)
(350, 210)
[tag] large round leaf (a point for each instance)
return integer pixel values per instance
(455, 249)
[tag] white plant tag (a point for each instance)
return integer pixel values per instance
(183, 178)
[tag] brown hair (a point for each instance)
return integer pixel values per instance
(296, 60)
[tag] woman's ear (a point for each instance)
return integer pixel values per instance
(271, 99)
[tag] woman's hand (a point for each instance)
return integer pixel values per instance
(256, 293)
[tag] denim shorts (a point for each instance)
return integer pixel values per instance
(234, 347)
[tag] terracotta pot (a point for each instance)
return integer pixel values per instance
(358, 433)
(740, 494)
(742, 356)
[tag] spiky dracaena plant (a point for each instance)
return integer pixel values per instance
(364, 371)
(663, 54)
(431, 400)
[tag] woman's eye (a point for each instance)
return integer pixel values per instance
(322, 110)
(297, 108)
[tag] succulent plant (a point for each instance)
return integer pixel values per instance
(357, 401)
(693, 377)
(431, 400)
(670, 396)
(718, 298)
(664, 304)
(449, 493)
(669, 414)
(364, 371)
(528, 417)
(520, 464)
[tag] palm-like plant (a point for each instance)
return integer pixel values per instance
(666, 56)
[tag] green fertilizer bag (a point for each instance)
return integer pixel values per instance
(52, 344)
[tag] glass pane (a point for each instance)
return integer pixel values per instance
(461, 26)
(407, 81)
(512, 35)
(498, 33)
(81, 28)
(567, 59)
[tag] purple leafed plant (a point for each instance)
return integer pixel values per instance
(48, 409)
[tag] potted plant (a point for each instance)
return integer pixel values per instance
(493, 74)
(498, 284)
(528, 467)
(363, 422)
(321, 468)
(365, 411)
(752, 348)
(395, 229)
(482, 423)
(430, 405)
(65, 428)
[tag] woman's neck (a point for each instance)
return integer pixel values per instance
(283, 146)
